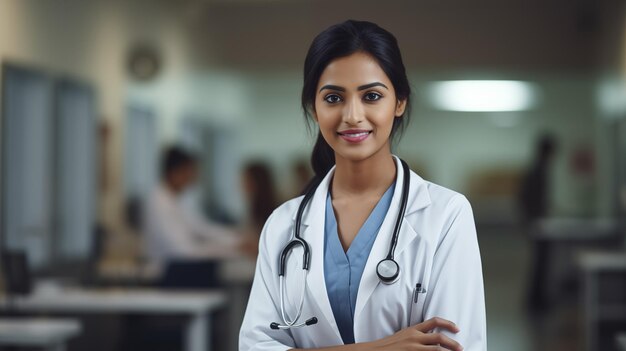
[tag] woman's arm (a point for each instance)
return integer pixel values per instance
(456, 284)
(416, 337)
(261, 310)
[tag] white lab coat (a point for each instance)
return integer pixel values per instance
(437, 247)
(175, 231)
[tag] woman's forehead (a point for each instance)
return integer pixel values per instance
(352, 71)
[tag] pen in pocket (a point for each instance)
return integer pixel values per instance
(418, 290)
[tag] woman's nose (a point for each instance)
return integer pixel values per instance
(353, 112)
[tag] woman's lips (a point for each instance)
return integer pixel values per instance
(354, 135)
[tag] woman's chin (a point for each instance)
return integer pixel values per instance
(356, 154)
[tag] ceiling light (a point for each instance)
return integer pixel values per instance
(483, 95)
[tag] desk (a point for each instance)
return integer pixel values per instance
(597, 311)
(574, 229)
(196, 305)
(566, 236)
(236, 277)
(46, 334)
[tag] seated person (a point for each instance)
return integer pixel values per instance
(175, 231)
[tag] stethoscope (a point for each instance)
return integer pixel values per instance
(387, 269)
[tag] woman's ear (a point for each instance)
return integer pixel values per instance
(400, 106)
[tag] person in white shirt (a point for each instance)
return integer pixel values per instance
(173, 229)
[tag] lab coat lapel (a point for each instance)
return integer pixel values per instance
(313, 232)
(418, 199)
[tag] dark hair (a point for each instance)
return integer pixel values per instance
(175, 157)
(263, 199)
(341, 40)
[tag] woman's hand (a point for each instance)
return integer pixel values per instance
(413, 338)
(417, 337)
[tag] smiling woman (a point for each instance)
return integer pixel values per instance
(388, 260)
(355, 61)
(356, 119)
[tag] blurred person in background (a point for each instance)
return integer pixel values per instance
(175, 231)
(260, 193)
(534, 204)
(534, 192)
(302, 175)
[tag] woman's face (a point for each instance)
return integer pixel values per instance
(355, 106)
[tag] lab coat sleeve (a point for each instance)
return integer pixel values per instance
(456, 290)
(263, 305)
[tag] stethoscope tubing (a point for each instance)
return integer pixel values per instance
(306, 262)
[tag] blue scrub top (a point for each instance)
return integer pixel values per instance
(343, 270)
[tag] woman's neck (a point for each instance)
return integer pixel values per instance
(372, 175)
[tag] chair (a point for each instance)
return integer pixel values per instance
(17, 276)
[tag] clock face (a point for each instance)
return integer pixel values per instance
(144, 63)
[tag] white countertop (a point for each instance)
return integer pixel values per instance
(574, 228)
(598, 260)
(120, 300)
(37, 331)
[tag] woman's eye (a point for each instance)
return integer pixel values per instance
(332, 98)
(372, 96)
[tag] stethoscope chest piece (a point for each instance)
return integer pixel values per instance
(388, 271)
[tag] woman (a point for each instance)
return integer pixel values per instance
(259, 190)
(356, 91)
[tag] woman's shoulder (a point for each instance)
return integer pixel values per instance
(288, 207)
(282, 215)
(442, 197)
(278, 226)
(451, 209)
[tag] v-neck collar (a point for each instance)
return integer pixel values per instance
(367, 232)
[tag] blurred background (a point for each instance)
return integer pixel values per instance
(144, 143)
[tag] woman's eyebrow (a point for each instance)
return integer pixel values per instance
(366, 86)
(361, 87)
(332, 87)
